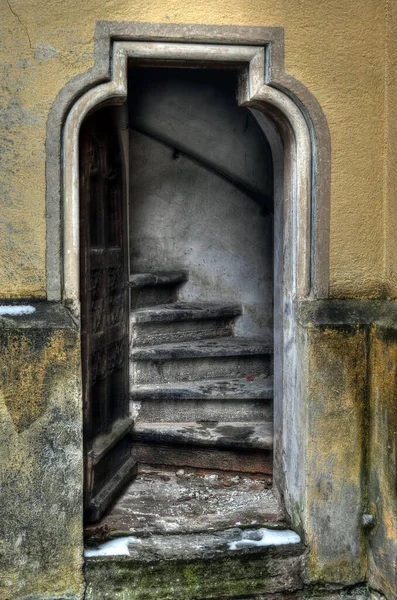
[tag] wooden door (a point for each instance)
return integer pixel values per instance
(104, 314)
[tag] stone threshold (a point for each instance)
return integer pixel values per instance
(184, 535)
(228, 564)
(183, 501)
(199, 535)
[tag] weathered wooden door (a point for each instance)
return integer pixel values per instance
(104, 314)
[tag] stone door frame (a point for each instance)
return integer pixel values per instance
(299, 138)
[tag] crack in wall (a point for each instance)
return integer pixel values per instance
(21, 23)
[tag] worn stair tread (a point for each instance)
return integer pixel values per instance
(212, 347)
(138, 280)
(181, 456)
(185, 311)
(209, 545)
(235, 435)
(161, 501)
(252, 388)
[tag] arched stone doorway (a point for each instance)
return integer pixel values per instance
(300, 144)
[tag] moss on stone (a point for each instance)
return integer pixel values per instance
(41, 466)
(336, 459)
(232, 575)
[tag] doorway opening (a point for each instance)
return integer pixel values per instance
(176, 245)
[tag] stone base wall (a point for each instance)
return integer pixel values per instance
(347, 516)
(41, 468)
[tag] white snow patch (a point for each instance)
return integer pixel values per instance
(265, 537)
(22, 309)
(170, 526)
(117, 547)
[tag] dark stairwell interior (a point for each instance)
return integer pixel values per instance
(201, 323)
(201, 223)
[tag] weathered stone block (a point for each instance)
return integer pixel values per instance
(232, 575)
(383, 460)
(40, 456)
(335, 455)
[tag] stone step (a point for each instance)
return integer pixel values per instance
(160, 278)
(231, 436)
(245, 447)
(204, 349)
(204, 359)
(203, 457)
(233, 563)
(150, 289)
(184, 501)
(182, 321)
(259, 388)
(202, 410)
(185, 311)
(205, 400)
(146, 334)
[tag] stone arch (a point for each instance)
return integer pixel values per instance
(298, 134)
(264, 86)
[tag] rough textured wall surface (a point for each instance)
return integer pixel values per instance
(350, 382)
(338, 51)
(329, 47)
(383, 461)
(350, 464)
(222, 576)
(40, 456)
(391, 150)
(336, 409)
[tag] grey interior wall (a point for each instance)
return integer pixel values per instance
(183, 215)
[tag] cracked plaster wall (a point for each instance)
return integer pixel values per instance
(336, 49)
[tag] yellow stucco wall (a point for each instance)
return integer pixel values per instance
(336, 48)
(391, 148)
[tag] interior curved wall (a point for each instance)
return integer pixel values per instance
(213, 222)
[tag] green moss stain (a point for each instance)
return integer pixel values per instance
(383, 461)
(41, 467)
(337, 404)
(232, 576)
(30, 362)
